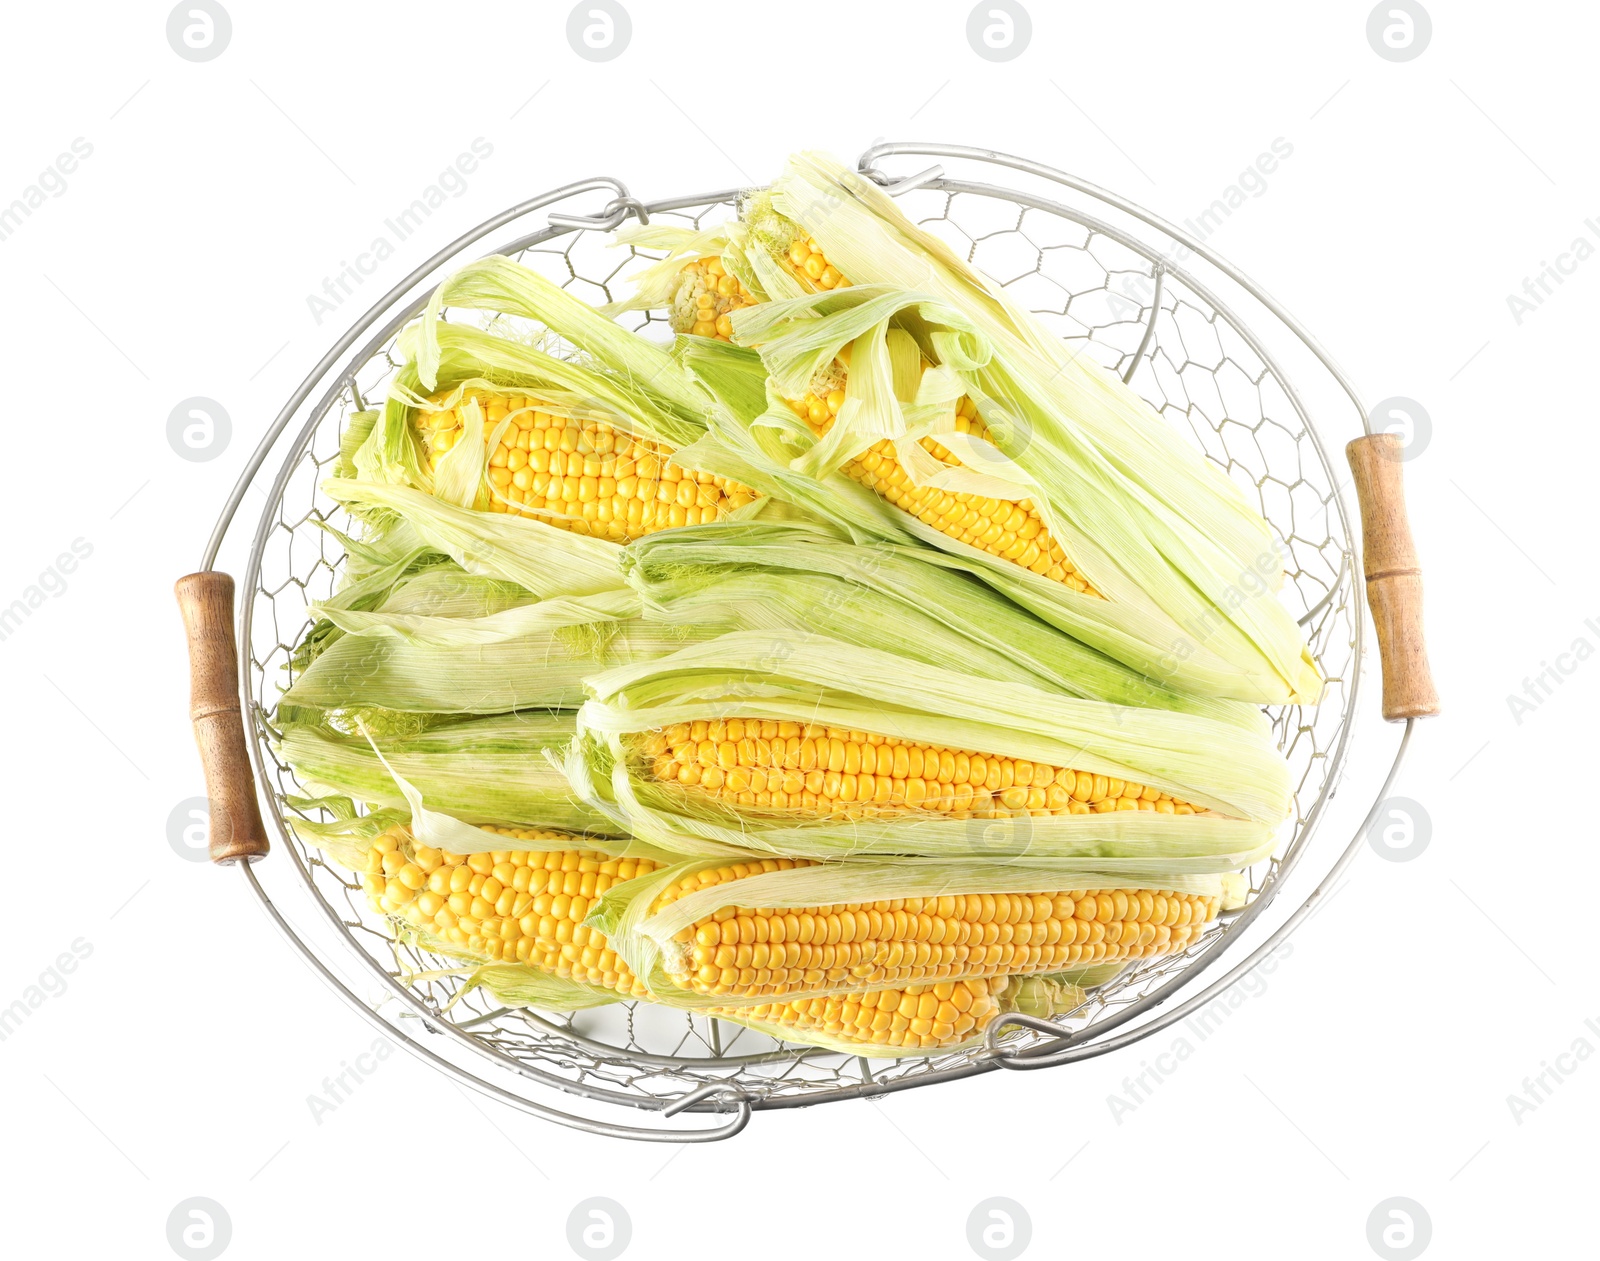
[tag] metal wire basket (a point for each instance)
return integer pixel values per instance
(1145, 299)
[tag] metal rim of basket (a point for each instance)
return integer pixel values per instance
(1053, 1043)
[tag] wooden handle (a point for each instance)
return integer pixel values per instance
(206, 601)
(1394, 579)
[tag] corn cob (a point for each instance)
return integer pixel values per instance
(771, 765)
(805, 258)
(448, 897)
(1012, 531)
(582, 475)
(768, 952)
(521, 904)
(923, 1017)
(706, 298)
(940, 963)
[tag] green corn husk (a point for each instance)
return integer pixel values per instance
(1043, 996)
(450, 610)
(478, 770)
(519, 985)
(355, 434)
(544, 559)
(1098, 974)
(347, 836)
(390, 577)
(799, 576)
(373, 570)
(445, 590)
(1225, 767)
(426, 582)
(496, 652)
(524, 657)
(646, 938)
(434, 827)
(645, 369)
(1188, 569)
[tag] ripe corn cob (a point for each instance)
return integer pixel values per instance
(521, 904)
(763, 951)
(805, 258)
(706, 298)
(770, 765)
(707, 295)
(582, 475)
(1013, 531)
(922, 1017)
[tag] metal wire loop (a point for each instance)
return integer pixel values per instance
(617, 209)
(713, 1090)
(896, 187)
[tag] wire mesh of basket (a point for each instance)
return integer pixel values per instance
(1193, 336)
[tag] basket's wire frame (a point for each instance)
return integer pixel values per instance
(718, 1082)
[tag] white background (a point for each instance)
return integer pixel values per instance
(177, 262)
